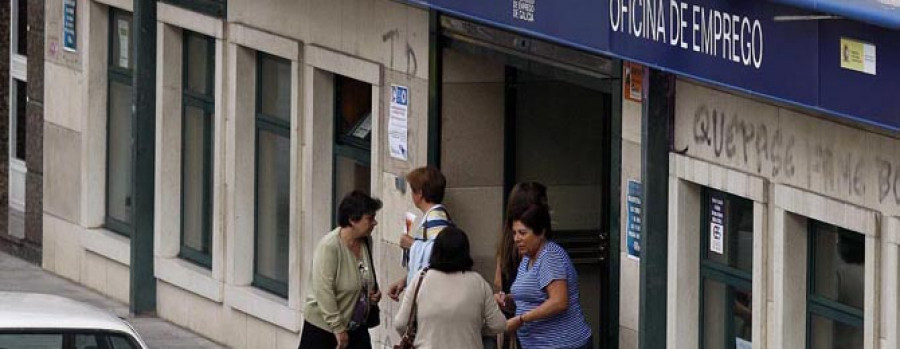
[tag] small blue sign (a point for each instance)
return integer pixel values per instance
(633, 232)
(70, 38)
(400, 95)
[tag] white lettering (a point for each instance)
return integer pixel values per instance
(747, 48)
(615, 14)
(757, 50)
(696, 28)
(635, 26)
(726, 36)
(661, 20)
(734, 39)
(673, 13)
(683, 25)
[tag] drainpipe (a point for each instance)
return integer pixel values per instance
(143, 283)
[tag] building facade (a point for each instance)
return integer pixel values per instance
(776, 227)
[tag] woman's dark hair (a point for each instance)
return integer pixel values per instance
(356, 205)
(450, 252)
(520, 197)
(536, 217)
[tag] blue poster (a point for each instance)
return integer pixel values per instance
(633, 231)
(70, 42)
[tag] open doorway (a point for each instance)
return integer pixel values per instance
(508, 117)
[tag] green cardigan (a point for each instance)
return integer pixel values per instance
(334, 283)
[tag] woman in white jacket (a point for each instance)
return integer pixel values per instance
(455, 305)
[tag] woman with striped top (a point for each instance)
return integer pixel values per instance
(545, 291)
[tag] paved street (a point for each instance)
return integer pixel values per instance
(18, 275)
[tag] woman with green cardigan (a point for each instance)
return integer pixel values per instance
(342, 285)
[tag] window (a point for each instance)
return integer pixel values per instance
(836, 277)
(65, 339)
(197, 141)
(726, 269)
(352, 136)
(19, 91)
(119, 162)
(20, 16)
(273, 167)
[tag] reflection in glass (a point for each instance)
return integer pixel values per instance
(830, 334)
(119, 191)
(273, 205)
(195, 171)
(198, 63)
(275, 87)
(839, 273)
(727, 316)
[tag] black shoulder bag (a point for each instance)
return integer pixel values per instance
(373, 319)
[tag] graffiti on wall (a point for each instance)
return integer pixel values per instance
(822, 157)
(412, 62)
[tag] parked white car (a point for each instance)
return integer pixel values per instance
(42, 321)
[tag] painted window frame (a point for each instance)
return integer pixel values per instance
(821, 306)
(207, 104)
(279, 127)
(710, 270)
(122, 76)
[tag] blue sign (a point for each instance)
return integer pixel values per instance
(70, 39)
(633, 231)
(400, 95)
(764, 48)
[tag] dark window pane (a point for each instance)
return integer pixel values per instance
(830, 334)
(839, 269)
(22, 28)
(119, 171)
(354, 100)
(273, 205)
(31, 341)
(275, 87)
(195, 173)
(86, 341)
(120, 342)
(21, 122)
(729, 230)
(198, 65)
(727, 316)
(121, 39)
(349, 175)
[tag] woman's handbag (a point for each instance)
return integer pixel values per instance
(373, 319)
(409, 335)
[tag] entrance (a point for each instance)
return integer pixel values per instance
(531, 111)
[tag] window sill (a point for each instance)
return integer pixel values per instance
(188, 276)
(107, 244)
(263, 305)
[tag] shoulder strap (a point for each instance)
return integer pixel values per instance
(371, 263)
(415, 305)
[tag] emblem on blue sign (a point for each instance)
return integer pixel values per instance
(70, 42)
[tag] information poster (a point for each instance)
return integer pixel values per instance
(858, 56)
(70, 42)
(633, 83)
(717, 224)
(633, 204)
(397, 126)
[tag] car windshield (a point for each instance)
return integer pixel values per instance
(65, 340)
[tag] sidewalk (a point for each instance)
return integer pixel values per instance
(21, 276)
